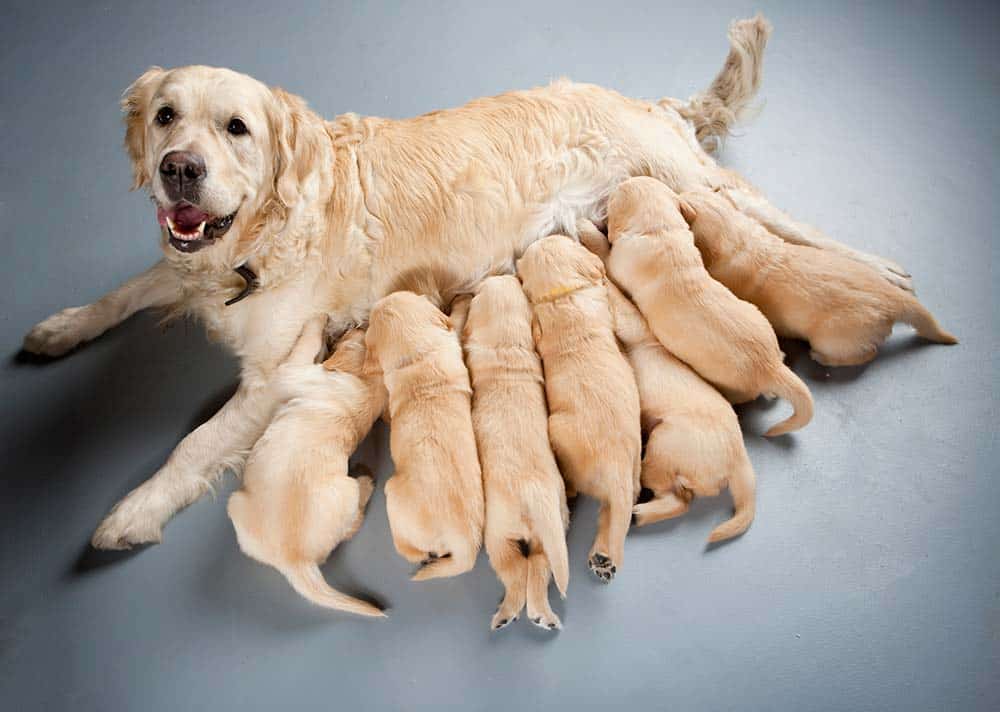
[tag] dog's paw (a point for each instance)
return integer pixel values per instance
(132, 522)
(501, 619)
(546, 621)
(58, 334)
(602, 567)
(890, 271)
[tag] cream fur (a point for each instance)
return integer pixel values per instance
(727, 341)
(593, 401)
(526, 514)
(840, 306)
(435, 498)
(335, 214)
(694, 446)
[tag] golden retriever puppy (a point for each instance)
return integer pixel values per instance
(592, 396)
(526, 513)
(842, 307)
(435, 498)
(726, 340)
(298, 502)
(694, 445)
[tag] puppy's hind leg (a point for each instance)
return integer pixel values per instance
(539, 612)
(366, 485)
(667, 506)
(608, 550)
(511, 567)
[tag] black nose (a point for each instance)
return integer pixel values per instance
(182, 172)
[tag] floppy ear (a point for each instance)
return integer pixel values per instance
(687, 210)
(297, 135)
(135, 101)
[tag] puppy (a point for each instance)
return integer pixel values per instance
(435, 498)
(725, 340)
(694, 446)
(592, 396)
(298, 502)
(526, 513)
(842, 307)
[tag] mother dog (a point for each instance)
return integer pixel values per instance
(269, 215)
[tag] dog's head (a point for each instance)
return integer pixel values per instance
(405, 326)
(500, 314)
(555, 266)
(219, 152)
(641, 206)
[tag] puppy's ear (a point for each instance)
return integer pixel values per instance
(135, 104)
(687, 209)
(297, 136)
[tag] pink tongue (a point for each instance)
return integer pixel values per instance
(188, 218)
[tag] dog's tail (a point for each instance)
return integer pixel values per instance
(545, 514)
(790, 387)
(714, 111)
(307, 579)
(743, 490)
(916, 315)
(458, 561)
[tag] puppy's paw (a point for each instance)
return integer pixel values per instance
(546, 621)
(133, 521)
(502, 619)
(890, 271)
(58, 334)
(602, 567)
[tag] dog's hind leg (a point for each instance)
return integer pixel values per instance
(608, 550)
(539, 611)
(663, 507)
(511, 567)
(366, 485)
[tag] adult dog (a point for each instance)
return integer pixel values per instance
(328, 217)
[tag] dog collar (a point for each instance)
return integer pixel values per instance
(554, 294)
(249, 287)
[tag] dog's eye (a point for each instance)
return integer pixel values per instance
(236, 127)
(165, 115)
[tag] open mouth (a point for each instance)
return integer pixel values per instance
(190, 229)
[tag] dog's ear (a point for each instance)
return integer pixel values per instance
(135, 103)
(687, 209)
(297, 135)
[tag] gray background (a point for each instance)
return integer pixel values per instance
(870, 579)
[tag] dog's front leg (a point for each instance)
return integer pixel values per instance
(198, 460)
(63, 331)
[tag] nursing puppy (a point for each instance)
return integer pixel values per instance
(694, 446)
(592, 396)
(726, 340)
(435, 498)
(526, 513)
(842, 307)
(298, 502)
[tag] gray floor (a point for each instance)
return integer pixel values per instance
(870, 579)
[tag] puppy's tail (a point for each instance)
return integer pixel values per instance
(455, 563)
(790, 387)
(743, 490)
(545, 515)
(307, 579)
(714, 111)
(916, 315)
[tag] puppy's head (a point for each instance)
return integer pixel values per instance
(404, 326)
(557, 265)
(218, 151)
(641, 206)
(706, 212)
(349, 355)
(500, 314)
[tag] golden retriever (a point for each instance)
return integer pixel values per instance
(694, 446)
(276, 215)
(840, 306)
(435, 498)
(593, 401)
(298, 502)
(526, 513)
(726, 340)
